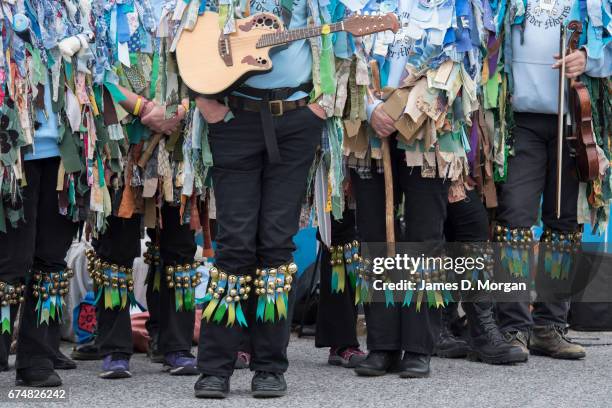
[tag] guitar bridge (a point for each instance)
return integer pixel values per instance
(225, 50)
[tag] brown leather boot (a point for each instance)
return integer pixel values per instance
(518, 339)
(551, 341)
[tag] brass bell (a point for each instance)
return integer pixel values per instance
(248, 278)
(171, 284)
(292, 268)
(236, 298)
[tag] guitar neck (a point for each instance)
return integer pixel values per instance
(284, 37)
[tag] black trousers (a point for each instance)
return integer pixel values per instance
(425, 209)
(120, 244)
(337, 313)
(258, 207)
(174, 329)
(531, 179)
(41, 243)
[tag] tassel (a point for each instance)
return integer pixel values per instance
(49, 288)
(184, 279)
(338, 270)
(272, 288)
(223, 296)
(10, 295)
(113, 284)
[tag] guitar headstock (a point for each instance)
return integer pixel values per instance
(359, 25)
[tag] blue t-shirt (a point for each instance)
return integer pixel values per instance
(291, 66)
(45, 137)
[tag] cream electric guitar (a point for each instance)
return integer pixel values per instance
(212, 63)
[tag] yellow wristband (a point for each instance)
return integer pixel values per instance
(138, 106)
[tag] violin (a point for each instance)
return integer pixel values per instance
(576, 128)
(581, 138)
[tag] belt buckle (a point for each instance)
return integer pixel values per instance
(276, 107)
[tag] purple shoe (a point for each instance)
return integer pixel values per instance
(119, 367)
(180, 363)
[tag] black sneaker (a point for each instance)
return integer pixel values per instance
(268, 385)
(63, 362)
(212, 386)
(37, 377)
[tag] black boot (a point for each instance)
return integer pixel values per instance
(212, 386)
(486, 341)
(414, 365)
(379, 363)
(449, 345)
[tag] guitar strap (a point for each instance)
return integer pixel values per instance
(286, 11)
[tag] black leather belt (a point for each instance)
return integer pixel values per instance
(270, 103)
(277, 107)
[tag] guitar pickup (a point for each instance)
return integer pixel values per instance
(225, 50)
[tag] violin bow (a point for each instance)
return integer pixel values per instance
(560, 120)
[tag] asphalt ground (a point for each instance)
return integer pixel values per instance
(541, 382)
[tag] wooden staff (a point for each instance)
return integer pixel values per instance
(386, 155)
(146, 155)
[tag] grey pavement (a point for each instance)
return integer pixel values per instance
(542, 382)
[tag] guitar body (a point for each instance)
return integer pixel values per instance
(211, 63)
